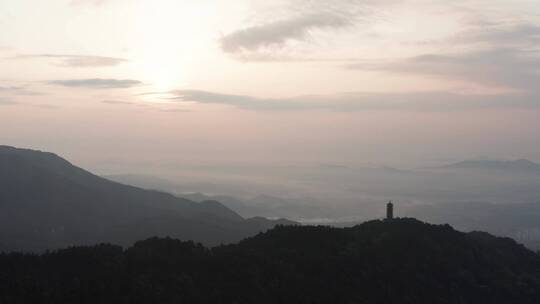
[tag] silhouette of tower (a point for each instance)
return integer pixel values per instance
(389, 210)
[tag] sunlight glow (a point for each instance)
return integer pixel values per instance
(169, 41)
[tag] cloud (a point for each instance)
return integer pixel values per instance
(496, 35)
(97, 83)
(497, 54)
(524, 33)
(145, 107)
(15, 90)
(357, 101)
(505, 67)
(6, 102)
(117, 102)
(45, 106)
(276, 34)
(175, 111)
(77, 60)
(9, 89)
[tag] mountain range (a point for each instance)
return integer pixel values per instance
(500, 197)
(518, 165)
(46, 202)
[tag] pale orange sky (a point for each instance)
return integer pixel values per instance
(381, 82)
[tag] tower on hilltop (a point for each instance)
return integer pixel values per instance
(389, 210)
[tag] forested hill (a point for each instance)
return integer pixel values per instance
(398, 261)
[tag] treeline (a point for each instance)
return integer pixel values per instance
(399, 261)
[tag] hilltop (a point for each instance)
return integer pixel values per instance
(399, 261)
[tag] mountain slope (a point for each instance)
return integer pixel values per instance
(46, 202)
(400, 261)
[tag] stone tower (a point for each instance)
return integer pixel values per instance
(389, 210)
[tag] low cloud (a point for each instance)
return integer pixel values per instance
(10, 89)
(15, 90)
(97, 83)
(45, 106)
(506, 67)
(357, 102)
(81, 61)
(175, 110)
(518, 35)
(117, 102)
(499, 54)
(145, 107)
(7, 102)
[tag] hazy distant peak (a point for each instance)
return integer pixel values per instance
(525, 162)
(518, 164)
(272, 222)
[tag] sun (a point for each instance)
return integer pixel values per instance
(162, 70)
(168, 35)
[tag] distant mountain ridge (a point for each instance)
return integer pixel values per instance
(46, 202)
(514, 165)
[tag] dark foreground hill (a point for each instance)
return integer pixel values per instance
(46, 202)
(400, 261)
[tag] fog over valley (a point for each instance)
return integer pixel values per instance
(495, 195)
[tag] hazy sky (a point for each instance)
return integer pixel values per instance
(125, 84)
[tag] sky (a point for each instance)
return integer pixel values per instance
(126, 85)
